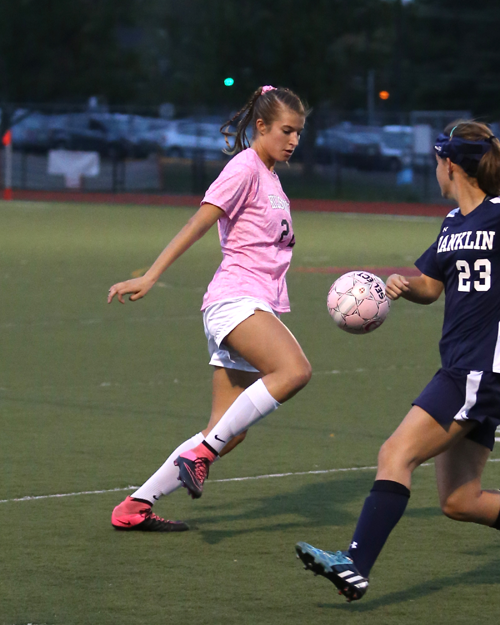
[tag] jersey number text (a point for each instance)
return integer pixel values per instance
(483, 266)
(286, 232)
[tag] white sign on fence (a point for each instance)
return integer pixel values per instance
(73, 165)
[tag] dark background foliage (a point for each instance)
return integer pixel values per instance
(429, 54)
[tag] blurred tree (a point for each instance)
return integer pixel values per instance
(65, 51)
(324, 51)
(454, 56)
(427, 54)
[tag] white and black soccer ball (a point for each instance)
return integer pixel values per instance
(357, 302)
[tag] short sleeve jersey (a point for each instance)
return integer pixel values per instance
(255, 232)
(466, 258)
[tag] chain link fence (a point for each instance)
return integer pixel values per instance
(159, 150)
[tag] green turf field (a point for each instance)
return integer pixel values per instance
(94, 397)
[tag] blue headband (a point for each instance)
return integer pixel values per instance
(467, 154)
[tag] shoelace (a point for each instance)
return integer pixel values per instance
(339, 557)
(151, 516)
(201, 469)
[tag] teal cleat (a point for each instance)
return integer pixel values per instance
(337, 567)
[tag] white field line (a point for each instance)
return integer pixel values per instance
(229, 479)
(363, 370)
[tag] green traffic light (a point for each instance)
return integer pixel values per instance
(229, 82)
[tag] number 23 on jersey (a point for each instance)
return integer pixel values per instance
(480, 280)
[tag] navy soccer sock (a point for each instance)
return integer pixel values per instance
(496, 524)
(381, 512)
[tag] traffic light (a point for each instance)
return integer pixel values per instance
(384, 95)
(229, 82)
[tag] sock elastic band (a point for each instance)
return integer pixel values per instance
(388, 486)
(496, 524)
(210, 448)
(149, 503)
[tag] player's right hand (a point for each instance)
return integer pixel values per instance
(137, 286)
(396, 285)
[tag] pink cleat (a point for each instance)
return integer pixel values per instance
(193, 471)
(138, 515)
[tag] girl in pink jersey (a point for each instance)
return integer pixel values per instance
(258, 364)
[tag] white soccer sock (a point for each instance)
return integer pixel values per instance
(252, 405)
(165, 481)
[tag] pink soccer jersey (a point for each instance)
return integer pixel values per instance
(255, 232)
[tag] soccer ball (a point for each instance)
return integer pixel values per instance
(357, 302)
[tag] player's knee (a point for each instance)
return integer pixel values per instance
(291, 378)
(395, 455)
(388, 455)
(457, 508)
(301, 375)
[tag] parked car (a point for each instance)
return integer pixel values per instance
(351, 146)
(126, 128)
(96, 133)
(186, 138)
(151, 131)
(31, 131)
(396, 146)
(368, 147)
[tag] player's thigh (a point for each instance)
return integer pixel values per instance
(459, 470)
(227, 386)
(267, 344)
(418, 438)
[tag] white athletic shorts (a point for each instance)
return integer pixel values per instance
(219, 319)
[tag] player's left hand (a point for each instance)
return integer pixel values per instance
(137, 286)
(396, 285)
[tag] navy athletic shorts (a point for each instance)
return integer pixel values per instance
(461, 395)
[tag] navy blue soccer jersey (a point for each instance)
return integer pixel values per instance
(466, 259)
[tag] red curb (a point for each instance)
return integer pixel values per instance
(157, 199)
(154, 199)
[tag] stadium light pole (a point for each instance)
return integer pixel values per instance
(7, 141)
(370, 95)
(401, 34)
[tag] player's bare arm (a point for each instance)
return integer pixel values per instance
(199, 224)
(420, 290)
